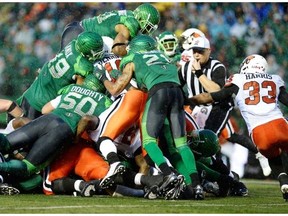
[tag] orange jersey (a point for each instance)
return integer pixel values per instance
(126, 114)
(80, 159)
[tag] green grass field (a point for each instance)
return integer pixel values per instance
(264, 197)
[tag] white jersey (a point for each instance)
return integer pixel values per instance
(186, 55)
(257, 97)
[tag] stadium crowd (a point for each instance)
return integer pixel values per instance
(32, 36)
(30, 33)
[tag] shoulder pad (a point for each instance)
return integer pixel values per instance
(131, 23)
(126, 59)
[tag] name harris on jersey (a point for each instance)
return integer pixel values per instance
(257, 75)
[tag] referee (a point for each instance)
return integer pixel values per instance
(205, 74)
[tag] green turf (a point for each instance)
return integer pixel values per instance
(264, 197)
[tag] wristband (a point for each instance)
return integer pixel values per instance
(198, 73)
(12, 106)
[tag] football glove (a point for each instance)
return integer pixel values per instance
(114, 74)
(100, 74)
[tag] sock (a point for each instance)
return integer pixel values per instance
(137, 179)
(188, 159)
(155, 153)
(77, 184)
(180, 166)
(63, 186)
(244, 141)
(106, 147)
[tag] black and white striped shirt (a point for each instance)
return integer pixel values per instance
(213, 69)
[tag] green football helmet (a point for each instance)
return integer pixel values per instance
(167, 43)
(93, 83)
(90, 45)
(141, 43)
(148, 17)
(203, 142)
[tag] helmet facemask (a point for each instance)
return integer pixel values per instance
(167, 43)
(94, 55)
(146, 26)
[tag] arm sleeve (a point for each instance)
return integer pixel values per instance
(219, 75)
(283, 96)
(225, 93)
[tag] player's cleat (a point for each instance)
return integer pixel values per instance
(225, 183)
(283, 180)
(284, 190)
(168, 183)
(5, 189)
(198, 193)
(151, 192)
(264, 163)
(210, 187)
(89, 188)
(238, 189)
(175, 192)
(109, 180)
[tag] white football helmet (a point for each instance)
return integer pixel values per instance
(253, 64)
(188, 35)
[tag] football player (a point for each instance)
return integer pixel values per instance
(138, 47)
(49, 133)
(74, 61)
(121, 26)
(257, 94)
(168, 44)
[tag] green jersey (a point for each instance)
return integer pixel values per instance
(151, 68)
(56, 74)
(104, 24)
(78, 101)
(176, 58)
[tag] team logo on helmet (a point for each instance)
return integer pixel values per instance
(90, 45)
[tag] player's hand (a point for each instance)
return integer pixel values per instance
(100, 74)
(114, 74)
(196, 65)
(82, 73)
